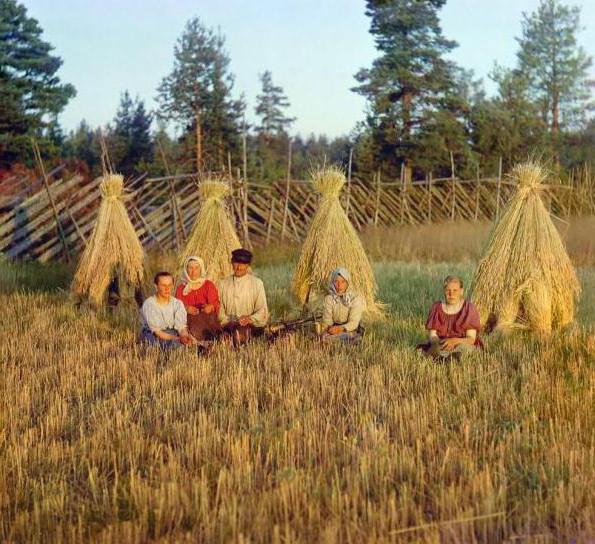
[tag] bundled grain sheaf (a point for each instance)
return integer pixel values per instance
(112, 248)
(332, 242)
(213, 235)
(525, 278)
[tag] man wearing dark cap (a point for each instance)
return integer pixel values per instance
(243, 309)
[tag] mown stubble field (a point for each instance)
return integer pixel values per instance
(102, 441)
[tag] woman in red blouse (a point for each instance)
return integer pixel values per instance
(201, 300)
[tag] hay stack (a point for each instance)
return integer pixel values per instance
(332, 242)
(525, 278)
(113, 245)
(213, 235)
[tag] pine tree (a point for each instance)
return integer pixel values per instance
(223, 116)
(31, 95)
(197, 93)
(141, 149)
(119, 133)
(556, 67)
(408, 80)
(509, 125)
(83, 145)
(269, 107)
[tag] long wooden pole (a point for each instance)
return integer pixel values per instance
(402, 180)
(376, 211)
(176, 213)
(454, 187)
(287, 185)
(51, 199)
(477, 182)
(499, 188)
(245, 187)
(349, 165)
(428, 199)
(270, 220)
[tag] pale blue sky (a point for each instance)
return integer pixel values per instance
(312, 47)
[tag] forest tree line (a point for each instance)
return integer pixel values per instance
(421, 107)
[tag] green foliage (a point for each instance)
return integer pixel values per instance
(130, 139)
(197, 95)
(556, 67)
(269, 107)
(410, 84)
(509, 125)
(31, 94)
(82, 144)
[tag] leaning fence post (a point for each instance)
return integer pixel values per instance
(270, 221)
(476, 214)
(51, 199)
(377, 199)
(245, 186)
(454, 187)
(498, 189)
(348, 203)
(430, 198)
(286, 205)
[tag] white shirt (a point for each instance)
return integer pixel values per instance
(243, 296)
(158, 317)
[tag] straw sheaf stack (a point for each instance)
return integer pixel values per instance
(525, 278)
(213, 235)
(113, 246)
(332, 242)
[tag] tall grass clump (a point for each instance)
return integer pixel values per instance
(525, 278)
(331, 242)
(112, 248)
(213, 236)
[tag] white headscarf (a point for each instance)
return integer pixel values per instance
(190, 284)
(348, 296)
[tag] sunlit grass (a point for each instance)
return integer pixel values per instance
(103, 441)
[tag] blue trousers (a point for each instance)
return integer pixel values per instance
(149, 338)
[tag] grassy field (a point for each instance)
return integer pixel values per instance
(100, 441)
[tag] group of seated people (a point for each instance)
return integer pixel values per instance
(197, 312)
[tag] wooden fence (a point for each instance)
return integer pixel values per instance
(53, 221)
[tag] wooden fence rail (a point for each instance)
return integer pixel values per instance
(163, 209)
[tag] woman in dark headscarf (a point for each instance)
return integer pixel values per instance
(343, 309)
(453, 324)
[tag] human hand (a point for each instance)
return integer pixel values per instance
(245, 320)
(208, 309)
(185, 339)
(450, 343)
(192, 310)
(335, 329)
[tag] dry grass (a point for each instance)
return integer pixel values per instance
(463, 241)
(113, 246)
(525, 277)
(102, 442)
(213, 235)
(333, 242)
